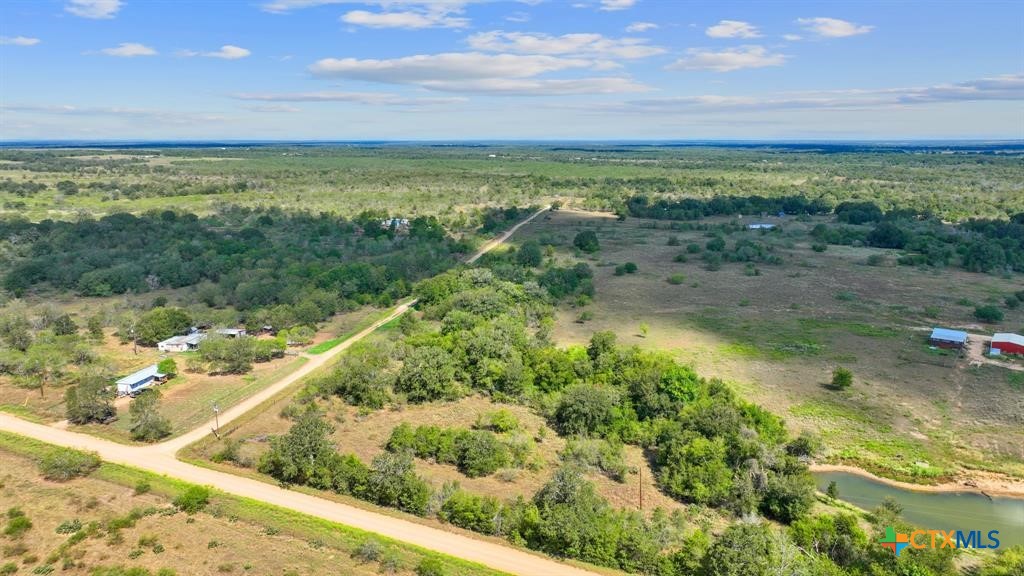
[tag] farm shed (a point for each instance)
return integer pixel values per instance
(1007, 343)
(136, 382)
(231, 332)
(760, 226)
(946, 338)
(181, 343)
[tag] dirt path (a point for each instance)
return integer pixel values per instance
(496, 556)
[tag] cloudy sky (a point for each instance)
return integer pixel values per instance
(529, 69)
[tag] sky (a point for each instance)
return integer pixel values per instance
(529, 69)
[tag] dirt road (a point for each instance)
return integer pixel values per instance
(160, 458)
(499, 557)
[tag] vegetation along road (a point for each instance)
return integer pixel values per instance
(160, 458)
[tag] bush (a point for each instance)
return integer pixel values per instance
(17, 524)
(500, 421)
(819, 247)
(988, 313)
(673, 241)
(630, 267)
(193, 499)
(587, 241)
(676, 279)
(142, 487)
(63, 464)
(368, 551)
(693, 248)
(430, 566)
(481, 454)
(471, 511)
(842, 378)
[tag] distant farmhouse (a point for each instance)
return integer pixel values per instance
(396, 224)
(134, 383)
(232, 332)
(1007, 343)
(949, 339)
(760, 226)
(181, 343)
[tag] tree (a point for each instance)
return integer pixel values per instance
(296, 457)
(693, 468)
(833, 490)
(89, 400)
(393, 482)
(428, 374)
(742, 550)
(842, 378)
(63, 325)
(161, 323)
(43, 364)
(481, 453)
(988, 313)
(586, 409)
(147, 424)
(361, 377)
(587, 241)
(95, 326)
(888, 235)
(167, 366)
(529, 254)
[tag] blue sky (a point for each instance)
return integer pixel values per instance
(537, 69)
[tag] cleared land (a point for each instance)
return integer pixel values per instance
(913, 413)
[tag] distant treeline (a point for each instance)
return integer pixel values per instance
(977, 245)
(248, 259)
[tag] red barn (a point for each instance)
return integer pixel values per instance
(1007, 343)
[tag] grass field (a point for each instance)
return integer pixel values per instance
(777, 332)
(233, 536)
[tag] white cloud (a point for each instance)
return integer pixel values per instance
(18, 41)
(1009, 87)
(792, 37)
(594, 45)
(135, 114)
(228, 52)
(409, 19)
(832, 27)
(129, 49)
(508, 74)
(612, 5)
(518, 17)
(273, 108)
(95, 9)
(733, 29)
(641, 27)
(281, 6)
(728, 60)
(370, 98)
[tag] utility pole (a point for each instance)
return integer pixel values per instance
(216, 420)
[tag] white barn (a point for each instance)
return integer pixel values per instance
(181, 343)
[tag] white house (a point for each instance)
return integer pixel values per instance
(136, 382)
(181, 343)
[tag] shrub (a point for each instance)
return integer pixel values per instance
(142, 487)
(842, 378)
(693, 248)
(69, 526)
(368, 551)
(500, 421)
(481, 454)
(430, 566)
(193, 499)
(471, 511)
(673, 241)
(680, 258)
(63, 464)
(17, 524)
(630, 267)
(9, 568)
(819, 247)
(988, 313)
(587, 241)
(676, 279)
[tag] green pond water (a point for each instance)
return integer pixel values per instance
(933, 510)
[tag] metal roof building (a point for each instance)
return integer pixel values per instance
(945, 336)
(1007, 343)
(139, 380)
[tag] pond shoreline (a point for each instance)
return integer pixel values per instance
(987, 484)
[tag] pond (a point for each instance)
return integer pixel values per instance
(936, 510)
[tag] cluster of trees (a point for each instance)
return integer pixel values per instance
(220, 355)
(45, 349)
(697, 208)
(475, 452)
(313, 264)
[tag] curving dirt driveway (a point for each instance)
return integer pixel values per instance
(160, 458)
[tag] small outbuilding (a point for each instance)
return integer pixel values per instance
(232, 332)
(946, 338)
(181, 343)
(136, 382)
(1007, 343)
(760, 226)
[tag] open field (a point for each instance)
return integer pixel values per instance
(233, 535)
(912, 413)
